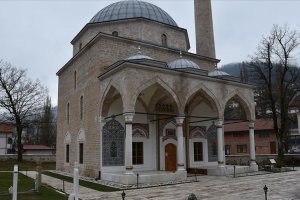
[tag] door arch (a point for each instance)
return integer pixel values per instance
(170, 157)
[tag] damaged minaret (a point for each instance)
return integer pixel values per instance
(205, 44)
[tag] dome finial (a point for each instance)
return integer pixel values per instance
(180, 54)
(139, 50)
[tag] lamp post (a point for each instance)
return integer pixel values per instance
(293, 165)
(123, 195)
(266, 192)
(137, 180)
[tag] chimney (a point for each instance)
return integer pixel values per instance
(205, 44)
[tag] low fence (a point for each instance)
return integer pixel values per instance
(30, 157)
(245, 159)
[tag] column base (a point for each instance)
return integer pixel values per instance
(129, 170)
(253, 166)
(180, 168)
(221, 163)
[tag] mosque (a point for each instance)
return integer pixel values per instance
(133, 99)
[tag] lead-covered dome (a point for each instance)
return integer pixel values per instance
(217, 73)
(130, 9)
(182, 63)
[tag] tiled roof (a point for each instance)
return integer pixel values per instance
(260, 124)
(6, 127)
(35, 147)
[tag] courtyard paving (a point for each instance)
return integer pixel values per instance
(282, 186)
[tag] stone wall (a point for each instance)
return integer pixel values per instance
(137, 29)
(30, 157)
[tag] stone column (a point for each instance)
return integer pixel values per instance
(219, 125)
(102, 124)
(180, 144)
(128, 142)
(253, 165)
(298, 119)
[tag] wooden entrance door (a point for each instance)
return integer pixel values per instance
(273, 147)
(170, 157)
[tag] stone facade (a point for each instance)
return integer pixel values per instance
(99, 83)
(137, 29)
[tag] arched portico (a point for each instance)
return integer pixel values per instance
(201, 108)
(148, 84)
(238, 108)
(243, 101)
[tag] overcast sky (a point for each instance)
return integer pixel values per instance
(36, 34)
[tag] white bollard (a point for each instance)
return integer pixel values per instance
(76, 182)
(15, 183)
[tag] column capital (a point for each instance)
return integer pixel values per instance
(128, 117)
(219, 123)
(179, 120)
(251, 124)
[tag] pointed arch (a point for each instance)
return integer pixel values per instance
(111, 93)
(238, 96)
(207, 93)
(150, 83)
(198, 132)
(68, 138)
(81, 135)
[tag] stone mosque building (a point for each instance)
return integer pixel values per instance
(132, 99)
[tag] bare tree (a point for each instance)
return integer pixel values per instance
(47, 124)
(274, 65)
(20, 97)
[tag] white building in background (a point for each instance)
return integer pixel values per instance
(7, 131)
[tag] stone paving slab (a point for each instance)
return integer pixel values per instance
(282, 186)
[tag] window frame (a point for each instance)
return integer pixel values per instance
(81, 107)
(238, 148)
(137, 153)
(197, 156)
(264, 135)
(67, 158)
(227, 147)
(115, 33)
(75, 79)
(80, 152)
(170, 132)
(164, 40)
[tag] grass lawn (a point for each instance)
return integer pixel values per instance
(8, 165)
(95, 186)
(25, 184)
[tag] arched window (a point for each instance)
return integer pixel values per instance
(164, 40)
(67, 147)
(80, 153)
(67, 153)
(68, 113)
(75, 79)
(115, 33)
(81, 107)
(81, 141)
